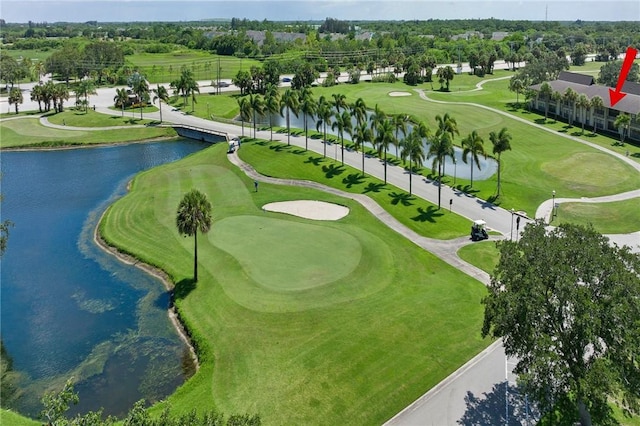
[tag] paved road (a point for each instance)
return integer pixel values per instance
(474, 389)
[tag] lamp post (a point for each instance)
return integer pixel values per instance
(553, 206)
(511, 233)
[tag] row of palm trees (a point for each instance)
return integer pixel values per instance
(375, 128)
(50, 95)
(580, 102)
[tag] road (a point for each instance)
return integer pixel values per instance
(476, 388)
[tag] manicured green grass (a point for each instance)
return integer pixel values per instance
(166, 67)
(79, 118)
(8, 417)
(279, 160)
(207, 105)
(28, 132)
(496, 94)
(618, 217)
(354, 350)
(483, 254)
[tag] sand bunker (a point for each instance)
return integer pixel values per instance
(396, 94)
(308, 209)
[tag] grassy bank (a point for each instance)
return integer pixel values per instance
(352, 348)
(28, 132)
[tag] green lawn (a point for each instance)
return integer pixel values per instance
(618, 217)
(8, 417)
(279, 160)
(27, 132)
(355, 344)
(483, 254)
(166, 67)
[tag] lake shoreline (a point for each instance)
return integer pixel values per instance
(158, 273)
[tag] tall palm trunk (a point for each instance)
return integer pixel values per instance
(471, 170)
(195, 256)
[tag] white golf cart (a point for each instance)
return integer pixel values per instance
(478, 230)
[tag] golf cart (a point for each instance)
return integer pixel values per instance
(478, 231)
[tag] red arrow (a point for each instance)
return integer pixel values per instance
(616, 96)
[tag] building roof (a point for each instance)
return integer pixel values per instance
(629, 104)
(574, 77)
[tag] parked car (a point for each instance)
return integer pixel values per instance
(286, 80)
(221, 84)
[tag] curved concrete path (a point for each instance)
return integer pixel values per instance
(447, 402)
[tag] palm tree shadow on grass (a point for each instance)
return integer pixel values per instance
(280, 148)
(182, 288)
(332, 170)
(263, 143)
(373, 187)
(427, 215)
(467, 189)
(299, 151)
(401, 198)
(314, 160)
(503, 405)
(353, 179)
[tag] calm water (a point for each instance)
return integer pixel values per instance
(68, 309)
(488, 166)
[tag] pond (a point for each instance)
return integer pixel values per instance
(69, 309)
(457, 167)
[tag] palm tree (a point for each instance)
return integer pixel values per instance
(556, 97)
(257, 108)
(621, 123)
(570, 96)
(15, 97)
(271, 104)
(339, 101)
(362, 134)
(37, 94)
(161, 95)
(584, 104)
(384, 137)
(342, 123)
(359, 111)
(596, 104)
(141, 89)
(546, 91)
(83, 90)
(245, 110)
(400, 124)
(413, 150)
(440, 147)
(308, 108)
(500, 143)
(516, 84)
(473, 145)
(376, 119)
(447, 124)
(324, 113)
(61, 94)
(194, 214)
(121, 98)
(289, 101)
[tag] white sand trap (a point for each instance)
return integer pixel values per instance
(316, 210)
(396, 94)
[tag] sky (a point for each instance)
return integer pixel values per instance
(303, 10)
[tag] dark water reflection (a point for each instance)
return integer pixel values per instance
(68, 309)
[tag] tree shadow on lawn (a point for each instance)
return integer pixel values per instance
(280, 148)
(402, 198)
(314, 160)
(182, 288)
(373, 187)
(353, 179)
(427, 215)
(332, 170)
(503, 405)
(299, 151)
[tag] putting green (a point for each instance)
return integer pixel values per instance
(282, 255)
(284, 265)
